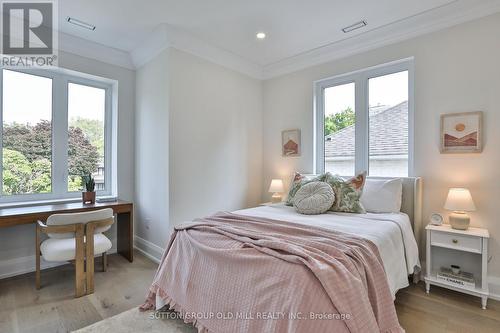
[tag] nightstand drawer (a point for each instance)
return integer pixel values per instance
(458, 242)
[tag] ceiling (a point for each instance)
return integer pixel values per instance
(300, 33)
(292, 26)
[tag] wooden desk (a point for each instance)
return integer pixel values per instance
(124, 212)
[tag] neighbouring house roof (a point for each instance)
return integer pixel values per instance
(388, 134)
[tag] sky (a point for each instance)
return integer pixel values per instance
(383, 90)
(28, 99)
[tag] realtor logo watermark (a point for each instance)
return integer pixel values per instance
(29, 33)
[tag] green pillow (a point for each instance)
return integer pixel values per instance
(300, 180)
(347, 193)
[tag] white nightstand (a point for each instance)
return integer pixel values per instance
(465, 248)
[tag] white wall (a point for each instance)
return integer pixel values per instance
(456, 70)
(215, 138)
(17, 244)
(208, 120)
(151, 149)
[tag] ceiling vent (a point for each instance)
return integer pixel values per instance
(355, 26)
(81, 24)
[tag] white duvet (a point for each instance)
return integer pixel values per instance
(392, 233)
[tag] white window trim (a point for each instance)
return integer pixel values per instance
(60, 80)
(360, 78)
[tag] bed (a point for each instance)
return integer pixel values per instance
(270, 269)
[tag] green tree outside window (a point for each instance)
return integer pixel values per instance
(338, 121)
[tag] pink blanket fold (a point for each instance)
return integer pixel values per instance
(234, 273)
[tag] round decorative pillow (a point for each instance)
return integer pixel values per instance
(314, 198)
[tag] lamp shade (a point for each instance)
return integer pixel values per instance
(276, 186)
(459, 200)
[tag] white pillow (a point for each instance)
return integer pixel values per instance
(314, 198)
(382, 196)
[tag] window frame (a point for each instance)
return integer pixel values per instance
(362, 144)
(59, 166)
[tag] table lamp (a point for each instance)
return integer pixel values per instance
(276, 188)
(459, 201)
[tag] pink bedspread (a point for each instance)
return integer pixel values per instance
(234, 273)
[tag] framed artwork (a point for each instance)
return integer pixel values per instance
(290, 142)
(462, 132)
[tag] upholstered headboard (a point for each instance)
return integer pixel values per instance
(412, 199)
(411, 203)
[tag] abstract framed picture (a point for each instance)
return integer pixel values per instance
(290, 142)
(461, 132)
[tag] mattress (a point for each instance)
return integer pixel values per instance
(392, 234)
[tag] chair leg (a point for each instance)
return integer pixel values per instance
(79, 278)
(90, 265)
(79, 265)
(104, 262)
(37, 256)
(37, 274)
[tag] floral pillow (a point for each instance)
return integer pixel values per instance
(347, 193)
(300, 180)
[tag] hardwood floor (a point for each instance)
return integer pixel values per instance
(54, 309)
(444, 310)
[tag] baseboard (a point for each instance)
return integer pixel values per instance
(23, 265)
(150, 250)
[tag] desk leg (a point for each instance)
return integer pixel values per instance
(125, 235)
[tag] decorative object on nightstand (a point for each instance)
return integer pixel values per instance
(459, 201)
(455, 269)
(456, 277)
(436, 219)
(277, 189)
(458, 260)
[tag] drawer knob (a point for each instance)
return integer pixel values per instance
(455, 241)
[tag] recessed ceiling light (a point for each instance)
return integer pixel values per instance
(80, 23)
(357, 25)
(260, 35)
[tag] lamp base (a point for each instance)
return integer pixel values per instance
(459, 220)
(276, 198)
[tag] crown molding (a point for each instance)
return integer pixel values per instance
(165, 36)
(411, 27)
(152, 46)
(86, 48)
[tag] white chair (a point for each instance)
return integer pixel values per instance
(78, 237)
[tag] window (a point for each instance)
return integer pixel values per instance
(339, 127)
(363, 121)
(26, 134)
(86, 111)
(388, 124)
(56, 127)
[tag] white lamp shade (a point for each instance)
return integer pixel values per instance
(459, 200)
(276, 186)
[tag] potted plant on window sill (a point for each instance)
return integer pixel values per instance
(88, 196)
